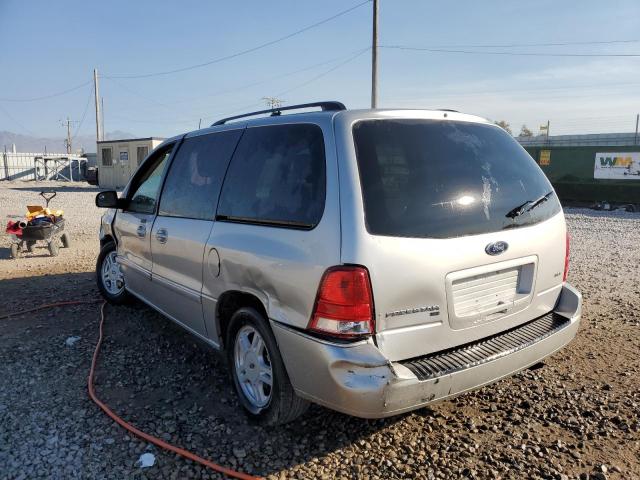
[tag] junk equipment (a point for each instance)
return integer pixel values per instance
(39, 224)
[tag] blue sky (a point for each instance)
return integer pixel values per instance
(47, 47)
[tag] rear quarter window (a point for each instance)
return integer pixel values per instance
(276, 177)
(441, 179)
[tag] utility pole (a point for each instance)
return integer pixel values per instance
(68, 140)
(635, 138)
(97, 103)
(101, 118)
(548, 125)
(374, 57)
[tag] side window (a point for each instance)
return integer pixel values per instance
(193, 183)
(141, 154)
(145, 194)
(107, 158)
(277, 176)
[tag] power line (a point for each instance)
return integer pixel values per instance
(261, 82)
(515, 54)
(465, 92)
(138, 94)
(230, 90)
(243, 52)
(45, 97)
(11, 117)
(84, 114)
(306, 82)
(245, 108)
(327, 72)
(514, 45)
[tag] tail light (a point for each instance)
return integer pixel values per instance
(344, 304)
(566, 261)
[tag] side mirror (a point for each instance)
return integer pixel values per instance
(109, 199)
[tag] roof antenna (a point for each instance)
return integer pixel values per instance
(274, 104)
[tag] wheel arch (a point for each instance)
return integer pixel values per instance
(230, 302)
(106, 239)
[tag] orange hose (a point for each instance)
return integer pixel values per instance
(127, 426)
(49, 305)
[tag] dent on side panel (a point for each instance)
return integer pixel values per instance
(282, 267)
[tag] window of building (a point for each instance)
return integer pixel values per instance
(107, 157)
(141, 154)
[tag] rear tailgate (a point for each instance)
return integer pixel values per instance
(427, 298)
(425, 196)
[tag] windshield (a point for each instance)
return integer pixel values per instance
(441, 179)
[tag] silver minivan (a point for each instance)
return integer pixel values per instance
(371, 261)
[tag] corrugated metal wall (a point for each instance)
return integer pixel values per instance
(21, 166)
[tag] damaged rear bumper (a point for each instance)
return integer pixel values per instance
(358, 380)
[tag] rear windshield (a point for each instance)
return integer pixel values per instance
(441, 179)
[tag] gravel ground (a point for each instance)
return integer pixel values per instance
(576, 417)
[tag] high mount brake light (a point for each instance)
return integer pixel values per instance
(344, 304)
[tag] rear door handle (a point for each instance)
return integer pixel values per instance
(141, 231)
(162, 235)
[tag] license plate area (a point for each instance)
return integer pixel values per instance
(484, 294)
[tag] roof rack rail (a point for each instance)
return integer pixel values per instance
(325, 106)
(447, 110)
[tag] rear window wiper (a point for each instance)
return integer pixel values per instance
(528, 206)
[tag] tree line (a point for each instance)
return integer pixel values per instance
(524, 131)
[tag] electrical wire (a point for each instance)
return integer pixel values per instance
(84, 114)
(242, 52)
(263, 81)
(323, 74)
(534, 89)
(515, 45)
(45, 97)
(13, 119)
(243, 109)
(514, 54)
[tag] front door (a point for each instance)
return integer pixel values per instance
(132, 225)
(184, 221)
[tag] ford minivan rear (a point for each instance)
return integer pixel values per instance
(464, 243)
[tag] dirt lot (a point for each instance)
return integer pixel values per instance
(576, 417)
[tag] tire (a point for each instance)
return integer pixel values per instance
(116, 296)
(13, 250)
(31, 246)
(66, 240)
(283, 404)
(53, 248)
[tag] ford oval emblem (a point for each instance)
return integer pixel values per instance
(496, 248)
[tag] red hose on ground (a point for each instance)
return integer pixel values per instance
(49, 305)
(127, 426)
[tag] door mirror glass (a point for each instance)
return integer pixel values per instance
(109, 199)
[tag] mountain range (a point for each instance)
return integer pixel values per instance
(33, 144)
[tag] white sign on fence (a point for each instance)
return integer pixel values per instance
(617, 166)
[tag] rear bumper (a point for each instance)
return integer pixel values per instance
(358, 380)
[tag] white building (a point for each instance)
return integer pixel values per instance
(119, 159)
